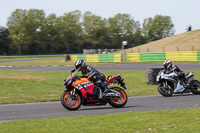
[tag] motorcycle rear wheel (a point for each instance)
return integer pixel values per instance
(118, 102)
(70, 102)
(195, 88)
(166, 92)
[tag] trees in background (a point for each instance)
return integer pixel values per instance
(122, 27)
(48, 35)
(95, 31)
(157, 28)
(24, 27)
(32, 32)
(5, 42)
(69, 33)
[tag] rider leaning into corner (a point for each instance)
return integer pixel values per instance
(169, 68)
(95, 76)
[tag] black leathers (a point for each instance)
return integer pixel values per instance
(176, 69)
(89, 71)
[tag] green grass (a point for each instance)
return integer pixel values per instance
(31, 56)
(63, 62)
(35, 86)
(36, 63)
(168, 121)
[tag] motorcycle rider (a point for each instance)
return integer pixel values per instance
(95, 76)
(169, 68)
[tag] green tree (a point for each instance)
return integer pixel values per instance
(16, 28)
(122, 27)
(4, 41)
(157, 28)
(69, 33)
(24, 27)
(34, 20)
(95, 31)
(49, 34)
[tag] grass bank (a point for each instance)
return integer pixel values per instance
(188, 41)
(168, 121)
(35, 86)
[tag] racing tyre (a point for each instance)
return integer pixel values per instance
(165, 91)
(195, 86)
(71, 102)
(118, 102)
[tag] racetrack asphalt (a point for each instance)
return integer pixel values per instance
(116, 67)
(134, 104)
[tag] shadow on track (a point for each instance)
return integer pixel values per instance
(106, 107)
(179, 95)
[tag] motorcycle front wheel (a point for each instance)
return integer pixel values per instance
(71, 102)
(165, 91)
(118, 102)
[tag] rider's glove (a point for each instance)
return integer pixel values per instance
(73, 70)
(181, 74)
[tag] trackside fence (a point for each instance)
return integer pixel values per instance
(161, 56)
(98, 57)
(139, 57)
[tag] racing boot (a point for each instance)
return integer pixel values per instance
(100, 97)
(104, 85)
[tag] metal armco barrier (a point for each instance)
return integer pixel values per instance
(133, 57)
(139, 57)
(198, 55)
(152, 56)
(182, 56)
(161, 56)
(98, 57)
(106, 58)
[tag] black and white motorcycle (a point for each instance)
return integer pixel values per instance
(169, 84)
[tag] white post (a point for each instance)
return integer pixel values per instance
(123, 51)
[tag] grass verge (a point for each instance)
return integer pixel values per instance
(36, 63)
(63, 62)
(35, 86)
(31, 56)
(168, 121)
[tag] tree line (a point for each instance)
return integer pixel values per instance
(31, 32)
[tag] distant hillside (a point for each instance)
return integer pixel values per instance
(188, 41)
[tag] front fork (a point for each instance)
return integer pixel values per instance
(165, 84)
(72, 92)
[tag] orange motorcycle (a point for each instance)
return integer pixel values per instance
(80, 91)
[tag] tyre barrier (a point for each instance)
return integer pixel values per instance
(151, 74)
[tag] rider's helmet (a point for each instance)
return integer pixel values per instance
(167, 64)
(80, 64)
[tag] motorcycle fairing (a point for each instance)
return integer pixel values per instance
(112, 78)
(179, 87)
(84, 86)
(173, 78)
(189, 75)
(117, 79)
